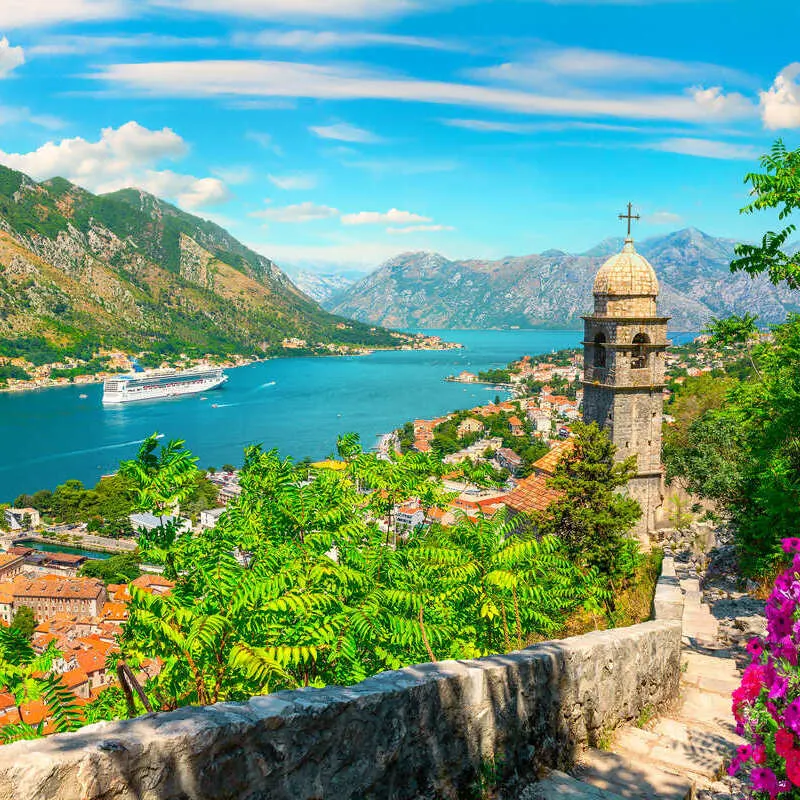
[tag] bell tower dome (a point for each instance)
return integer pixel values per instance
(624, 363)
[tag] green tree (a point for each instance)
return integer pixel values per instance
(121, 568)
(735, 330)
(592, 517)
(777, 187)
(24, 621)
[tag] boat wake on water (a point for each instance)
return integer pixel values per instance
(85, 451)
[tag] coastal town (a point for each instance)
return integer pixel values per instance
(500, 455)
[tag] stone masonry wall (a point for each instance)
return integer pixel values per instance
(423, 731)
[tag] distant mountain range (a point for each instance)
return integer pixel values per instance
(322, 286)
(553, 289)
(128, 270)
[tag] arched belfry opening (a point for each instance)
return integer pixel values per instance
(639, 355)
(600, 350)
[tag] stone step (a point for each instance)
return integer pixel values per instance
(690, 584)
(681, 731)
(711, 666)
(696, 756)
(721, 685)
(632, 779)
(708, 708)
(560, 786)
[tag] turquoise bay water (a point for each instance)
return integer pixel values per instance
(298, 405)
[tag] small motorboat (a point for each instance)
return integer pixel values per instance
(82, 396)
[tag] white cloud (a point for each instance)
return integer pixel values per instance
(552, 65)
(705, 148)
(718, 104)
(339, 40)
(10, 57)
(498, 126)
(300, 212)
(122, 157)
(291, 79)
(664, 218)
(391, 217)
(419, 229)
(188, 191)
(81, 44)
(293, 182)
(344, 132)
(10, 115)
(297, 9)
(39, 13)
(780, 105)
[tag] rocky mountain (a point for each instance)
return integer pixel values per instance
(322, 286)
(131, 271)
(553, 288)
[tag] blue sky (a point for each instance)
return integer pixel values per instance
(336, 133)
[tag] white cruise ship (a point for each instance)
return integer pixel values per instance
(159, 384)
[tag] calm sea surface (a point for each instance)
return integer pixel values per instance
(297, 405)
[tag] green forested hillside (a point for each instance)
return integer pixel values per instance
(127, 270)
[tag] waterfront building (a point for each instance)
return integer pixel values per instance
(51, 595)
(22, 519)
(624, 361)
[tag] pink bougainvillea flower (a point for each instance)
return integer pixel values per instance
(764, 780)
(791, 545)
(755, 647)
(784, 742)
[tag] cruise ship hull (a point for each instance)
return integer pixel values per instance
(178, 388)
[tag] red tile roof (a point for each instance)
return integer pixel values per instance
(532, 494)
(547, 463)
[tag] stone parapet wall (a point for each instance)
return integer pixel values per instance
(421, 731)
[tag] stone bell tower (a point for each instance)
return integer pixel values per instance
(624, 346)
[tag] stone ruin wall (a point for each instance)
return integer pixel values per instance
(421, 731)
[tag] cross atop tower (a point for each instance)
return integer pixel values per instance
(630, 216)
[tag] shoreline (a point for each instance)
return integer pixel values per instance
(93, 380)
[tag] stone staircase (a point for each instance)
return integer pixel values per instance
(680, 756)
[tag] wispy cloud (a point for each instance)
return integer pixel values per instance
(392, 217)
(10, 57)
(299, 9)
(121, 157)
(344, 132)
(41, 13)
(502, 126)
(234, 175)
(664, 218)
(293, 182)
(291, 79)
(780, 105)
(297, 213)
(311, 40)
(419, 229)
(64, 45)
(551, 66)
(705, 148)
(15, 115)
(403, 166)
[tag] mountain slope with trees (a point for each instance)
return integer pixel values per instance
(130, 271)
(553, 289)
